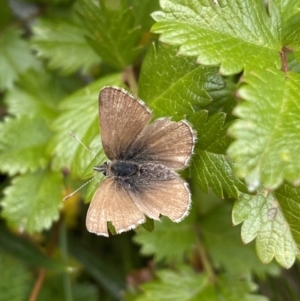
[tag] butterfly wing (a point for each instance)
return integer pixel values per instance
(164, 142)
(122, 119)
(169, 197)
(111, 202)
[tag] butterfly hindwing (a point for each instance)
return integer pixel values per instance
(111, 202)
(170, 198)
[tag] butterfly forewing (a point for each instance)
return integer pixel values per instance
(164, 142)
(112, 202)
(122, 118)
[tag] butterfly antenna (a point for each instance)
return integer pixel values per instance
(78, 140)
(72, 193)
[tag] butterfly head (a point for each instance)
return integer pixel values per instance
(104, 168)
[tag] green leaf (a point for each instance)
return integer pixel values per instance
(224, 100)
(209, 164)
(24, 250)
(236, 288)
(225, 248)
(264, 219)
(168, 241)
(289, 200)
(235, 34)
(64, 44)
(142, 11)
(15, 57)
(173, 90)
(16, 282)
(23, 144)
(37, 94)
(186, 285)
(149, 224)
(289, 10)
(267, 137)
(32, 202)
(166, 287)
(80, 116)
(111, 30)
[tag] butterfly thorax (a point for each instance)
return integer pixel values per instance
(123, 169)
(130, 169)
(118, 168)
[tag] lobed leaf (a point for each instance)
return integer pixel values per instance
(226, 250)
(23, 144)
(265, 151)
(290, 14)
(32, 202)
(15, 57)
(168, 241)
(236, 288)
(264, 219)
(289, 199)
(64, 45)
(185, 285)
(111, 31)
(209, 164)
(226, 32)
(37, 94)
(173, 85)
(165, 288)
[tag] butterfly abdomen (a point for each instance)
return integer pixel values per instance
(154, 171)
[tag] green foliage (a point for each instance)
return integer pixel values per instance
(197, 287)
(79, 116)
(179, 86)
(23, 145)
(63, 43)
(26, 251)
(244, 36)
(32, 201)
(111, 30)
(15, 57)
(37, 95)
(229, 67)
(226, 249)
(267, 221)
(169, 241)
(81, 292)
(273, 157)
(13, 275)
(210, 167)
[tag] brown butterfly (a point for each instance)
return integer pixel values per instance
(141, 178)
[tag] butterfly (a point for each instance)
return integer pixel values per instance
(141, 178)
